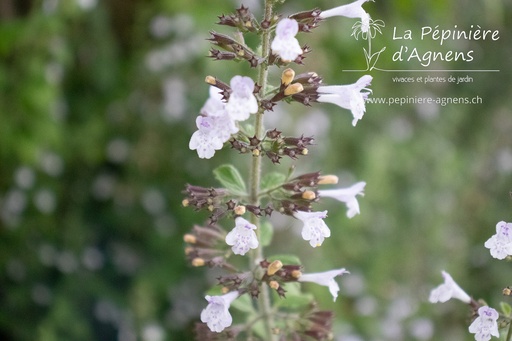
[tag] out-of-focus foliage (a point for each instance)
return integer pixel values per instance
(97, 105)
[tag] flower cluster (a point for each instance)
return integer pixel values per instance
(485, 325)
(222, 122)
(218, 119)
(500, 244)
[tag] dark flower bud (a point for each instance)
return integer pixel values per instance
(267, 105)
(274, 157)
(218, 55)
(242, 147)
(254, 141)
(229, 20)
(268, 210)
(273, 134)
(256, 210)
(311, 14)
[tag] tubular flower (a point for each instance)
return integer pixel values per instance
(500, 244)
(242, 237)
(214, 125)
(216, 315)
(351, 97)
(205, 140)
(314, 230)
(242, 101)
(285, 44)
(325, 279)
(352, 10)
(449, 289)
(346, 195)
(485, 324)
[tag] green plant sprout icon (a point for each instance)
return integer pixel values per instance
(368, 30)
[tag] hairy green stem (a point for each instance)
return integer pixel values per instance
(509, 334)
(264, 305)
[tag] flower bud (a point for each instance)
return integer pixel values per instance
(328, 180)
(296, 274)
(293, 89)
(197, 262)
(224, 290)
(274, 285)
(274, 267)
(210, 80)
(185, 202)
(239, 210)
(287, 76)
(256, 152)
(190, 238)
(308, 195)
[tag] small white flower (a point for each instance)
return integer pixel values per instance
(285, 45)
(485, 324)
(326, 279)
(205, 140)
(346, 195)
(352, 10)
(242, 237)
(216, 315)
(315, 230)
(449, 289)
(350, 96)
(500, 244)
(214, 106)
(242, 101)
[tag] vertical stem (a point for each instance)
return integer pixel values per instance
(509, 334)
(264, 305)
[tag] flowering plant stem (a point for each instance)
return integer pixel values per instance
(509, 333)
(256, 255)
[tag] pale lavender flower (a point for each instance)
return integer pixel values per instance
(449, 289)
(285, 45)
(500, 244)
(205, 139)
(242, 101)
(216, 315)
(325, 279)
(352, 96)
(214, 105)
(346, 195)
(314, 229)
(242, 237)
(485, 324)
(352, 10)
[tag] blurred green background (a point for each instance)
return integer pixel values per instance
(98, 101)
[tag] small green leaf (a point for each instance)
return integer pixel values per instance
(249, 130)
(231, 179)
(285, 259)
(266, 233)
(293, 301)
(272, 180)
(506, 309)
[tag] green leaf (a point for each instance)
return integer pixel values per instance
(231, 179)
(249, 130)
(286, 259)
(294, 301)
(272, 180)
(506, 309)
(266, 233)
